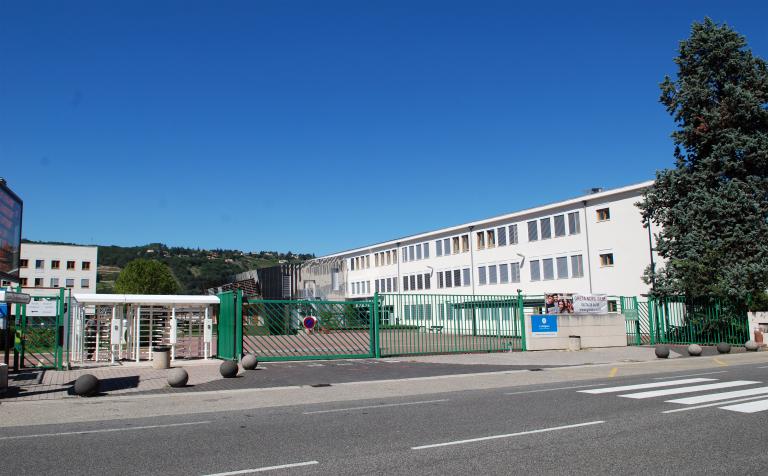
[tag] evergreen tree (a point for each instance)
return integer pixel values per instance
(713, 206)
(144, 276)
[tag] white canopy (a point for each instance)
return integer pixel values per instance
(146, 299)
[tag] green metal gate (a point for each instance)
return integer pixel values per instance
(275, 329)
(40, 331)
(229, 328)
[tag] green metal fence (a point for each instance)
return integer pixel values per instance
(229, 328)
(681, 320)
(40, 334)
(415, 324)
(275, 329)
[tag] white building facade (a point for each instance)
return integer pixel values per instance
(596, 243)
(58, 266)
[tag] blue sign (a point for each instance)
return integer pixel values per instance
(544, 325)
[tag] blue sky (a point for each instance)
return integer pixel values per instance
(317, 126)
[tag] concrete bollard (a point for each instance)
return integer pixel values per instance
(694, 350)
(249, 362)
(87, 385)
(724, 347)
(751, 346)
(662, 351)
(178, 377)
(228, 369)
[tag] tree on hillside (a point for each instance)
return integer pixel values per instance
(713, 206)
(143, 276)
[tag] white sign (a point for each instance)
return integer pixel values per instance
(42, 308)
(207, 330)
(174, 326)
(590, 303)
(116, 331)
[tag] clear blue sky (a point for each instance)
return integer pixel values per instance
(317, 126)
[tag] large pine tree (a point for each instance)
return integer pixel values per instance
(713, 206)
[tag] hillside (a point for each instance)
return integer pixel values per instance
(195, 269)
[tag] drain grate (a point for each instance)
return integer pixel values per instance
(321, 385)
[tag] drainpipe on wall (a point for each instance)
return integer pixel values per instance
(586, 233)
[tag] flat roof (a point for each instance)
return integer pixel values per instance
(480, 223)
(149, 299)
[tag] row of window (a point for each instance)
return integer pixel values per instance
(498, 274)
(417, 282)
(454, 278)
(55, 264)
(542, 228)
(415, 252)
(385, 258)
(361, 287)
(386, 285)
(454, 245)
(360, 262)
(500, 236)
(545, 268)
(85, 283)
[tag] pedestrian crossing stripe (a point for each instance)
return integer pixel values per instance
(695, 388)
(748, 407)
(665, 383)
(714, 397)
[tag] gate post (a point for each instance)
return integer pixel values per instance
(375, 342)
(651, 318)
(238, 327)
(521, 316)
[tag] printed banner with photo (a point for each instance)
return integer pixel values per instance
(558, 303)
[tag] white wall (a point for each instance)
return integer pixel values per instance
(63, 253)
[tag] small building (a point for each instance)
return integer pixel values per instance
(45, 266)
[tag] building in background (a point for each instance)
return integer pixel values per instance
(596, 243)
(57, 266)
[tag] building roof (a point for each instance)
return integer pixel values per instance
(480, 223)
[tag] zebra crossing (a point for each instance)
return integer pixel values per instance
(742, 396)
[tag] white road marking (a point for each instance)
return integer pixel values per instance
(695, 388)
(668, 383)
(713, 397)
(691, 375)
(509, 435)
(105, 430)
(376, 406)
(713, 404)
(553, 389)
(762, 367)
(266, 468)
(749, 407)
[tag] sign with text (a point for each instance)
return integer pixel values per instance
(590, 303)
(544, 325)
(208, 330)
(42, 307)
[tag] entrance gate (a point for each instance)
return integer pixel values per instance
(40, 333)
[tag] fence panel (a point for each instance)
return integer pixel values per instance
(275, 330)
(416, 324)
(680, 320)
(40, 331)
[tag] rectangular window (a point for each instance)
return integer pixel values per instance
(549, 270)
(368, 262)
(405, 283)
(55, 264)
(377, 288)
(70, 283)
(559, 225)
(394, 256)
(394, 285)
(502, 234)
(574, 225)
(606, 259)
(464, 243)
(577, 266)
(533, 231)
(23, 263)
(481, 279)
(38, 282)
(413, 282)
(23, 282)
(419, 281)
(613, 306)
(376, 260)
(404, 254)
(86, 265)
(457, 277)
(503, 273)
(411, 253)
(440, 279)
(480, 240)
(491, 241)
(39, 264)
(418, 251)
(467, 275)
(562, 267)
(426, 250)
(71, 265)
(448, 279)
(446, 246)
(546, 228)
(390, 281)
(492, 276)
(512, 234)
(85, 283)
(514, 273)
(455, 242)
(54, 282)
(427, 281)
(604, 214)
(391, 255)
(535, 270)
(439, 248)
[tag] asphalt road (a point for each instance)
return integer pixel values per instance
(538, 429)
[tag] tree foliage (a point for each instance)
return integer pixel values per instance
(713, 206)
(143, 276)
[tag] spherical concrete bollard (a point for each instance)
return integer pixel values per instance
(249, 362)
(177, 377)
(662, 351)
(694, 350)
(229, 369)
(87, 385)
(751, 346)
(724, 347)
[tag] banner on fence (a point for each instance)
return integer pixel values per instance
(590, 303)
(558, 303)
(42, 307)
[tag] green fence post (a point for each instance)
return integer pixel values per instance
(59, 331)
(375, 343)
(239, 325)
(638, 340)
(651, 317)
(521, 316)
